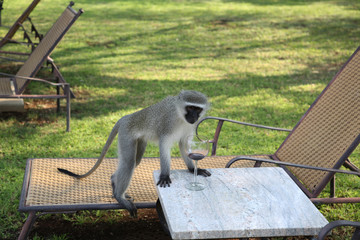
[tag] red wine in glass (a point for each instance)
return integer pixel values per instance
(196, 149)
(196, 156)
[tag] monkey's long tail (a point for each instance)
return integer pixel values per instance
(110, 139)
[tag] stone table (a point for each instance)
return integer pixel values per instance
(238, 203)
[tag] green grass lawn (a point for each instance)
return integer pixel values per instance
(263, 62)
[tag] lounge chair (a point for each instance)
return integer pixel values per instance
(46, 190)
(8, 38)
(323, 139)
(340, 223)
(14, 86)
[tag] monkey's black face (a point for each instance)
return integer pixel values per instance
(192, 113)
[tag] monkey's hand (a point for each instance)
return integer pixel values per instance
(164, 181)
(202, 172)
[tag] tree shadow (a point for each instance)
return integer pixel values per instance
(163, 46)
(342, 31)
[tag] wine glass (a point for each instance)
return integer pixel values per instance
(196, 149)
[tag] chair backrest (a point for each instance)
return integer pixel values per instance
(328, 132)
(41, 53)
(18, 22)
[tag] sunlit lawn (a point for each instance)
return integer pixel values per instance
(263, 62)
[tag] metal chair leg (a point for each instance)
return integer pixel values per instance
(356, 234)
(67, 92)
(332, 187)
(27, 226)
(58, 100)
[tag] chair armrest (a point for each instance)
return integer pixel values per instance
(240, 158)
(243, 123)
(325, 230)
(35, 79)
(222, 120)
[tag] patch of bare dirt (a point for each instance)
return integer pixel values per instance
(146, 226)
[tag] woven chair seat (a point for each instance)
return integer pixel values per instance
(5, 87)
(9, 104)
(45, 188)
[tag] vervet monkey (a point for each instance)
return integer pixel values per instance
(167, 122)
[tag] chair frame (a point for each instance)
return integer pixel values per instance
(18, 24)
(330, 177)
(339, 223)
(344, 161)
(19, 90)
(64, 85)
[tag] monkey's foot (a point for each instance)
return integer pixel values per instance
(202, 172)
(132, 209)
(164, 181)
(128, 205)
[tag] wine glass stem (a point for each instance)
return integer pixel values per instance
(195, 171)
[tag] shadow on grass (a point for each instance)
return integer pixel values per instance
(160, 44)
(181, 23)
(136, 94)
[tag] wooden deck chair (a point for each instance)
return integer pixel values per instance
(323, 139)
(13, 87)
(8, 38)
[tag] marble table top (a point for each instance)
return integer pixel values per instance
(238, 203)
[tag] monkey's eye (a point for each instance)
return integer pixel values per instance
(198, 110)
(193, 108)
(189, 108)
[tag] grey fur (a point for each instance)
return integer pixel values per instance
(163, 123)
